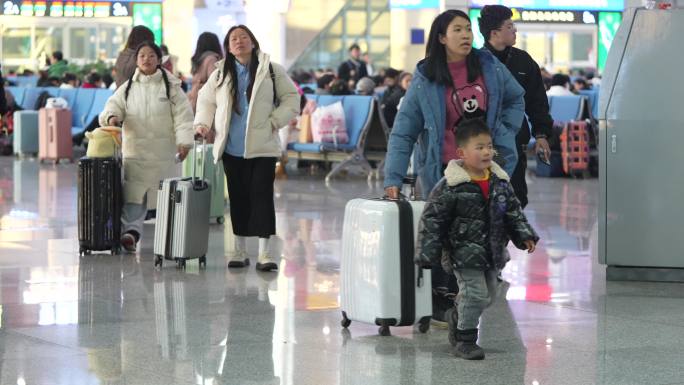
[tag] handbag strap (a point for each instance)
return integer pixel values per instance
(273, 81)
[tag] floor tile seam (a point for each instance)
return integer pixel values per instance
(630, 318)
(527, 344)
(74, 349)
(161, 376)
(553, 306)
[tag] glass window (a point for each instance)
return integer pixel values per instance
(582, 45)
(83, 43)
(112, 40)
(16, 43)
(535, 44)
(356, 22)
(561, 43)
(49, 40)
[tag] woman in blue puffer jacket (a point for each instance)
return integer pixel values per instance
(453, 82)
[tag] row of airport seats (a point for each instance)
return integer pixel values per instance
(359, 111)
(574, 107)
(23, 81)
(85, 103)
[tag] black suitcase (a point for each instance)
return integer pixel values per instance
(100, 199)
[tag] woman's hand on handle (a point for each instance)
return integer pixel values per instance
(113, 121)
(392, 192)
(207, 133)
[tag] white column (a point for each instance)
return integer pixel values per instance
(176, 37)
(266, 19)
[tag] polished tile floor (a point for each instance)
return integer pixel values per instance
(116, 320)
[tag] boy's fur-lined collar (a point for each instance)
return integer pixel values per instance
(455, 173)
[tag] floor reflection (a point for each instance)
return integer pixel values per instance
(106, 319)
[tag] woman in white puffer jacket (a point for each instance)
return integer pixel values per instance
(157, 124)
(247, 99)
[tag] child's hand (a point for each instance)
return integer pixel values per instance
(530, 246)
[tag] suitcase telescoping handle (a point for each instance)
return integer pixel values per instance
(408, 180)
(195, 181)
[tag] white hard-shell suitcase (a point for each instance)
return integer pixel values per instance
(380, 283)
(182, 230)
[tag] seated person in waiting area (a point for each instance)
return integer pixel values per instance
(471, 214)
(157, 123)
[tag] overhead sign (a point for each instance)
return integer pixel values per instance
(85, 9)
(569, 5)
(608, 24)
(541, 16)
(149, 15)
(414, 4)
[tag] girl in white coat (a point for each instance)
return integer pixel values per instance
(247, 98)
(157, 123)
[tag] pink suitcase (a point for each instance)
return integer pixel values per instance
(54, 135)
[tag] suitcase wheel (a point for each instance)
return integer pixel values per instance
(116, 250)
(158, 261)
(203, 261)
(424, 325)
(345, 321)
(384, 331)
(220, 220)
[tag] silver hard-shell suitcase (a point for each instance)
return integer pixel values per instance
(182, 229)
(380, 284)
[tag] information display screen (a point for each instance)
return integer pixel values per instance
(86, 9)
(571, 5)
(149, 15)
(608, 24)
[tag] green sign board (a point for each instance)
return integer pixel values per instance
(149, 15)
(608, 23)
(478, 40)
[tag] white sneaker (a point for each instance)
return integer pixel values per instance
(239, 259)
(266, 263)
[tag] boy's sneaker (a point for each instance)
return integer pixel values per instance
(239, 259)
(466, 345)
(128, 242)
(452, 320)
(265, 263)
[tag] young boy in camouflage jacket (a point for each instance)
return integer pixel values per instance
(471, 214)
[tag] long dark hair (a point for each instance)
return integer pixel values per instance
(230, 69)
(158, 52)
(207, 41)
(139, 34)
(436, 67)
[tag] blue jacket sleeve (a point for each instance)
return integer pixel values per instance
(407, 127)
(512, 114)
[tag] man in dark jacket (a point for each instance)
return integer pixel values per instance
(469, 218)
(354, 68)
(499, 32)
